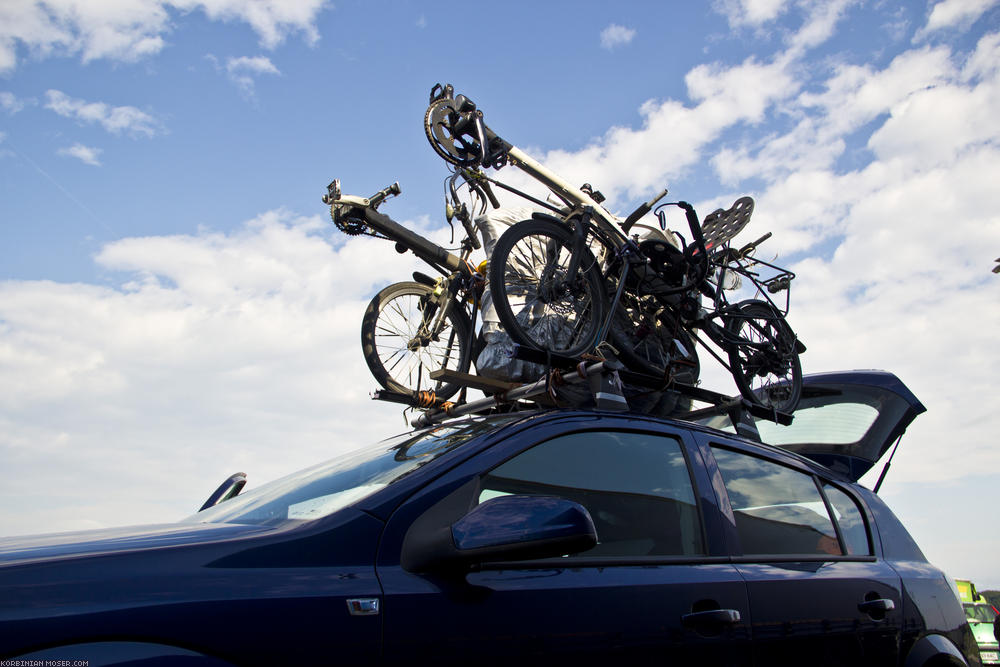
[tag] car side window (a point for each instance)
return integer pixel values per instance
(850, 520)
(636, 486)
(778, 510)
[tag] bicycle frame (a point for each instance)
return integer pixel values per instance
(359, 215)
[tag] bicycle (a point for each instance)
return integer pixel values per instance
(411, 329)
(552, 277)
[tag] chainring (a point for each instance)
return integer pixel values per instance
(352, 225)
(462, 150)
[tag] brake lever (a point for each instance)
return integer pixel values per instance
(481, 138)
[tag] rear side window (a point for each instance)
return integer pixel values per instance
(897, 544)
(850, 520)
(636, 486)
(778, 510)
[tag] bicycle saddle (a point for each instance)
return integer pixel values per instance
(719, 226)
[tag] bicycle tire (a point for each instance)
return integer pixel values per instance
(772, 376)
(539, 311)
(399, 360)
(646, 344)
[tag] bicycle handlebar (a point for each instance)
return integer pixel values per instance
(694, 224)
(750, 247)
(494, 202)
(384, 194)
(641, 211)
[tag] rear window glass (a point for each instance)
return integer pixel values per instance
(840, 423)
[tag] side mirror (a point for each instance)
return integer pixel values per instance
(510, 528)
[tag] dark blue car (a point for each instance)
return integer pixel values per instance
(527, 538)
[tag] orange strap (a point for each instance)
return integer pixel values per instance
(425, 399)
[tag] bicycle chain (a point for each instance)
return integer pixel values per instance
(352, 226)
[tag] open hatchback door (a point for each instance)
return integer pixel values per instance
(846, 420)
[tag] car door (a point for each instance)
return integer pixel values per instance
(657, 586)
(818, 594)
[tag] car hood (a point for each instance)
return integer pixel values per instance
(847, 420)
(32, 548)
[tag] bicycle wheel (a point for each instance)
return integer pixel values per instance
(762, 354)
(537, 303)
(650, 341)
(401, 345)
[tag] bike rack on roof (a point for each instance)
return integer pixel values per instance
(607, 380)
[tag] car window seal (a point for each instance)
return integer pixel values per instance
(572, 562)
(801, 558)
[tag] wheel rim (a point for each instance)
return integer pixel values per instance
(650, 345)
(552, 313)
(409, 354)
(768, 369)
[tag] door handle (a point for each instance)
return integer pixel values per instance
(711, 618)
(877, 607)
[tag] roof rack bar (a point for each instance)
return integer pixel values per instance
(725, 404)
(410, 399)
(522, 392)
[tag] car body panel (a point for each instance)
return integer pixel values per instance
(286, 590)
(117, 540)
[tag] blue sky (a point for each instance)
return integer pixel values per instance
(175, 306)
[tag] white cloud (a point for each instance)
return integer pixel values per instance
(628, 162)
(821, 20)
(954, 14)
(116, 120)
(85, 154)
(11, 103)
(856, 95)
(256, 65)
(128, 30)
(221, 352)
(272, 20)
(242, 71)
(755, 13)
(616, 35)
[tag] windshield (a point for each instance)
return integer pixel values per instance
(325, 488)
(980, 612)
